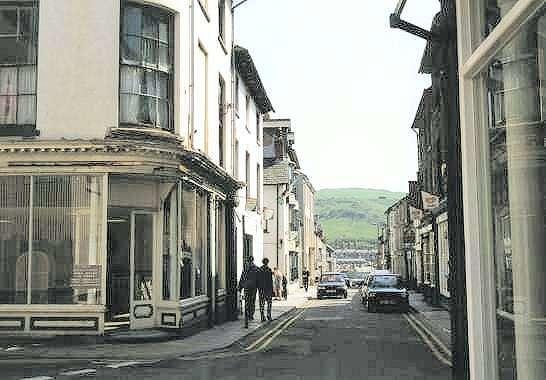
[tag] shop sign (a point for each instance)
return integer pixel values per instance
(415, 213)
(86, 277)
(430, 201)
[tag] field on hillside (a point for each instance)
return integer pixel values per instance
(352, 214)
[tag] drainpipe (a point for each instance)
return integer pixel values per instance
(191, 119)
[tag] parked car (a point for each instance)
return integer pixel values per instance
(356, 279)
(331, 285)
(384, 289)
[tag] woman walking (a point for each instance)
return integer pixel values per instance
(277, 283)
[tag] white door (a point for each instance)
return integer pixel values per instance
(142, 258)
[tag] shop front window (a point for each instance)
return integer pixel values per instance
(517, 88)
(52, 226)
(221, 240)
(193, 253)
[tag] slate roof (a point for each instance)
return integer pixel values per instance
(277, 173)
(246, 68)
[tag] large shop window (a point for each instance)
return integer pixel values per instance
(18, 49)
(516, 84)
(50, 228)
(194, 232)
(146, 72)
(221, 241)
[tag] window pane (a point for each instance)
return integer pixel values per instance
(66, 235)
(27, 21)
(8, 21)
(188, 237)
(143, 260)
(8, 109)
(27, 79)
(148, 85)
(26, 109)
(150, 26)
(518, 207)
(14, 222)
(200, 247)
(26, 50)
(9, 50)
(149, 52)
(147, 111)
(132, 20)
(495, 10)
(163, 86)
(165, 63)
(164, 31)
(129, 105)
(130, 50)
(164, 115)
(130, 79)
(8, 81)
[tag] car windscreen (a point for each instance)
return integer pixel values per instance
(386, 282)
(331, 278)
(355, 274)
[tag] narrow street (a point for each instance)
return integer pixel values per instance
(327, 339)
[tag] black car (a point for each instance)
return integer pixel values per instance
(331, 285)
(384, 289)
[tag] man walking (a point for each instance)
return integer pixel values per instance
(265, 288)
(249, 282)
(305, 277)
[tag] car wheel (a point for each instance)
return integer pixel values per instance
(371, 308)
(319, 297)
(345, 295)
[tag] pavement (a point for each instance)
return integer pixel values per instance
(328, 339)
(145, 345)
(435, 318)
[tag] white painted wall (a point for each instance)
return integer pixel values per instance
(249, 141)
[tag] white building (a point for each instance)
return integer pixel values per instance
(250, 105)
(116, 177)
(282, 230)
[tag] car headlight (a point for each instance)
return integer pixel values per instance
(321, 287)
(371, 294)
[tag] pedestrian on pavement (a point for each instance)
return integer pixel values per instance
(249, 282)
(265, 288)
(277, 281)
(305, 277)
(284, 287)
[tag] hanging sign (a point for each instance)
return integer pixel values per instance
(429, 201)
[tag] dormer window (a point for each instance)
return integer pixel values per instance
(146, 68)
(18, 50)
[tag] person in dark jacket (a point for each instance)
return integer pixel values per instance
(305, 276)
(265, 288)
(249, 282)
(284, 287)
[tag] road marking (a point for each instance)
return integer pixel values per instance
(436, 340)
(267, 342)
(123, 364)
(429, 344)
(80, 372)
(14, 348)
(323, 318)
(39, 378)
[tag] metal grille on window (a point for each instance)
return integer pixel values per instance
(18, 47)
(146, 73)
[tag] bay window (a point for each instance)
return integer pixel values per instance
(146, 68)
(18, 50)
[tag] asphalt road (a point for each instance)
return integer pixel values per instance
(329, 339)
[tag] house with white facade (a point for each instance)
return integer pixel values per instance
(117, 188)
(282, 230)
(250, 105)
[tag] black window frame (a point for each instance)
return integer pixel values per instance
(25, 129)
(157, 14)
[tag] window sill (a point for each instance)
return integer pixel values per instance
(14, 130)
(204, 10)
(222, 44)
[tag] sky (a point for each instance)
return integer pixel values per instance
(348, 82)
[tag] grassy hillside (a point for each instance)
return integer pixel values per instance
(352, 213)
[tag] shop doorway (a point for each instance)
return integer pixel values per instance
(129, 276)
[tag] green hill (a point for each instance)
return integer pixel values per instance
(352, 214)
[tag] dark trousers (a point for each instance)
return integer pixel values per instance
(266, 297)
(306, 284)
(250, 302)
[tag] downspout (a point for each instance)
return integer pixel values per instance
(191, 119)
(277, 234)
